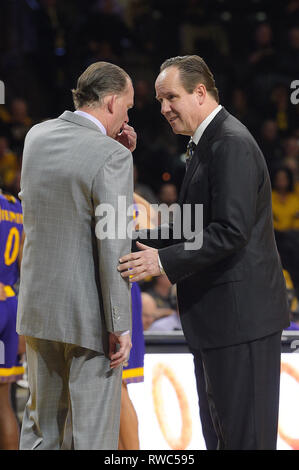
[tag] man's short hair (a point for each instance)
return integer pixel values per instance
(97, 81)
(193, 70)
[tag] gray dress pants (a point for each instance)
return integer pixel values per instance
(68, 380)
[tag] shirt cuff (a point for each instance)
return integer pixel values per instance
(160, 266)
(121, 333)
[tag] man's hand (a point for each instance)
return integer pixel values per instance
(141, 264)
(2, 292)
(127, 137)
(120, 356)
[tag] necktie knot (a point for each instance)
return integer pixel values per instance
(190, 151)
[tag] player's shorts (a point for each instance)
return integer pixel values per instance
(11, 369)
(134, 372)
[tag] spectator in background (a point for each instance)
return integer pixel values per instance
(270, 144)
(149, 307)
(100, 50)
(285, 202)
(168, 194)
(106, 32)
(19, 123)
(285, 208)
(143, 115)
(291, 147)
(15, 186)
(289, 58)
(165, 299)
(144, 119)
(159, 314)
(198, 28)
(281, 108)
(262, 62)
(240, 109)
(151, 320)
(8, 164)
(291, 158)
(291, 12)
(4, 121)
(170, 322)
(262, 58)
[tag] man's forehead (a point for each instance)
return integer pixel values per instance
(169, 74)
(168, 79)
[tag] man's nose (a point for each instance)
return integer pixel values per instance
(165, 108)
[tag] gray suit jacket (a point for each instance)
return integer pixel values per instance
(70, 288)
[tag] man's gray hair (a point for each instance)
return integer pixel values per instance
(97, 81)
(193, 70)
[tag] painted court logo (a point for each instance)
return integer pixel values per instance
(2, 92)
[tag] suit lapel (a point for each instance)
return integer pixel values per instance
(201, 151)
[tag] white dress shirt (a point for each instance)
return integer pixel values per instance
(202, 127)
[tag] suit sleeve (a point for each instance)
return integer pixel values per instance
(112, 196)
(158, 237)
(234, 185)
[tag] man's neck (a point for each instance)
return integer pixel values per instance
(96, 113)
(210, 114)
(97, 117)
(209, 108)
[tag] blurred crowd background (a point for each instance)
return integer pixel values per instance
(252, 47)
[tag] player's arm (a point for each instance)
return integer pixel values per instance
(147, 217)
(2, 292)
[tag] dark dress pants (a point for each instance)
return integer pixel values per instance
(243, 392)
(207, 425)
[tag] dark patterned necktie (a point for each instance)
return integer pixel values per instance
(190, 151)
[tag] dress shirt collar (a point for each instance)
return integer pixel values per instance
(93, 119)
(201, 128)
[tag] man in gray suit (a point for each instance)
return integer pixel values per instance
(74, 308)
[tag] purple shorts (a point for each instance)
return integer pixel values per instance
(11, 369)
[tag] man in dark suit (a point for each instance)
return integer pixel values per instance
(231, 290)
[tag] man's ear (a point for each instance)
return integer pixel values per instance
(201, 92)
(111, 103)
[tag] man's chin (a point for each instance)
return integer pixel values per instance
(174, 126)
(177, 130)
